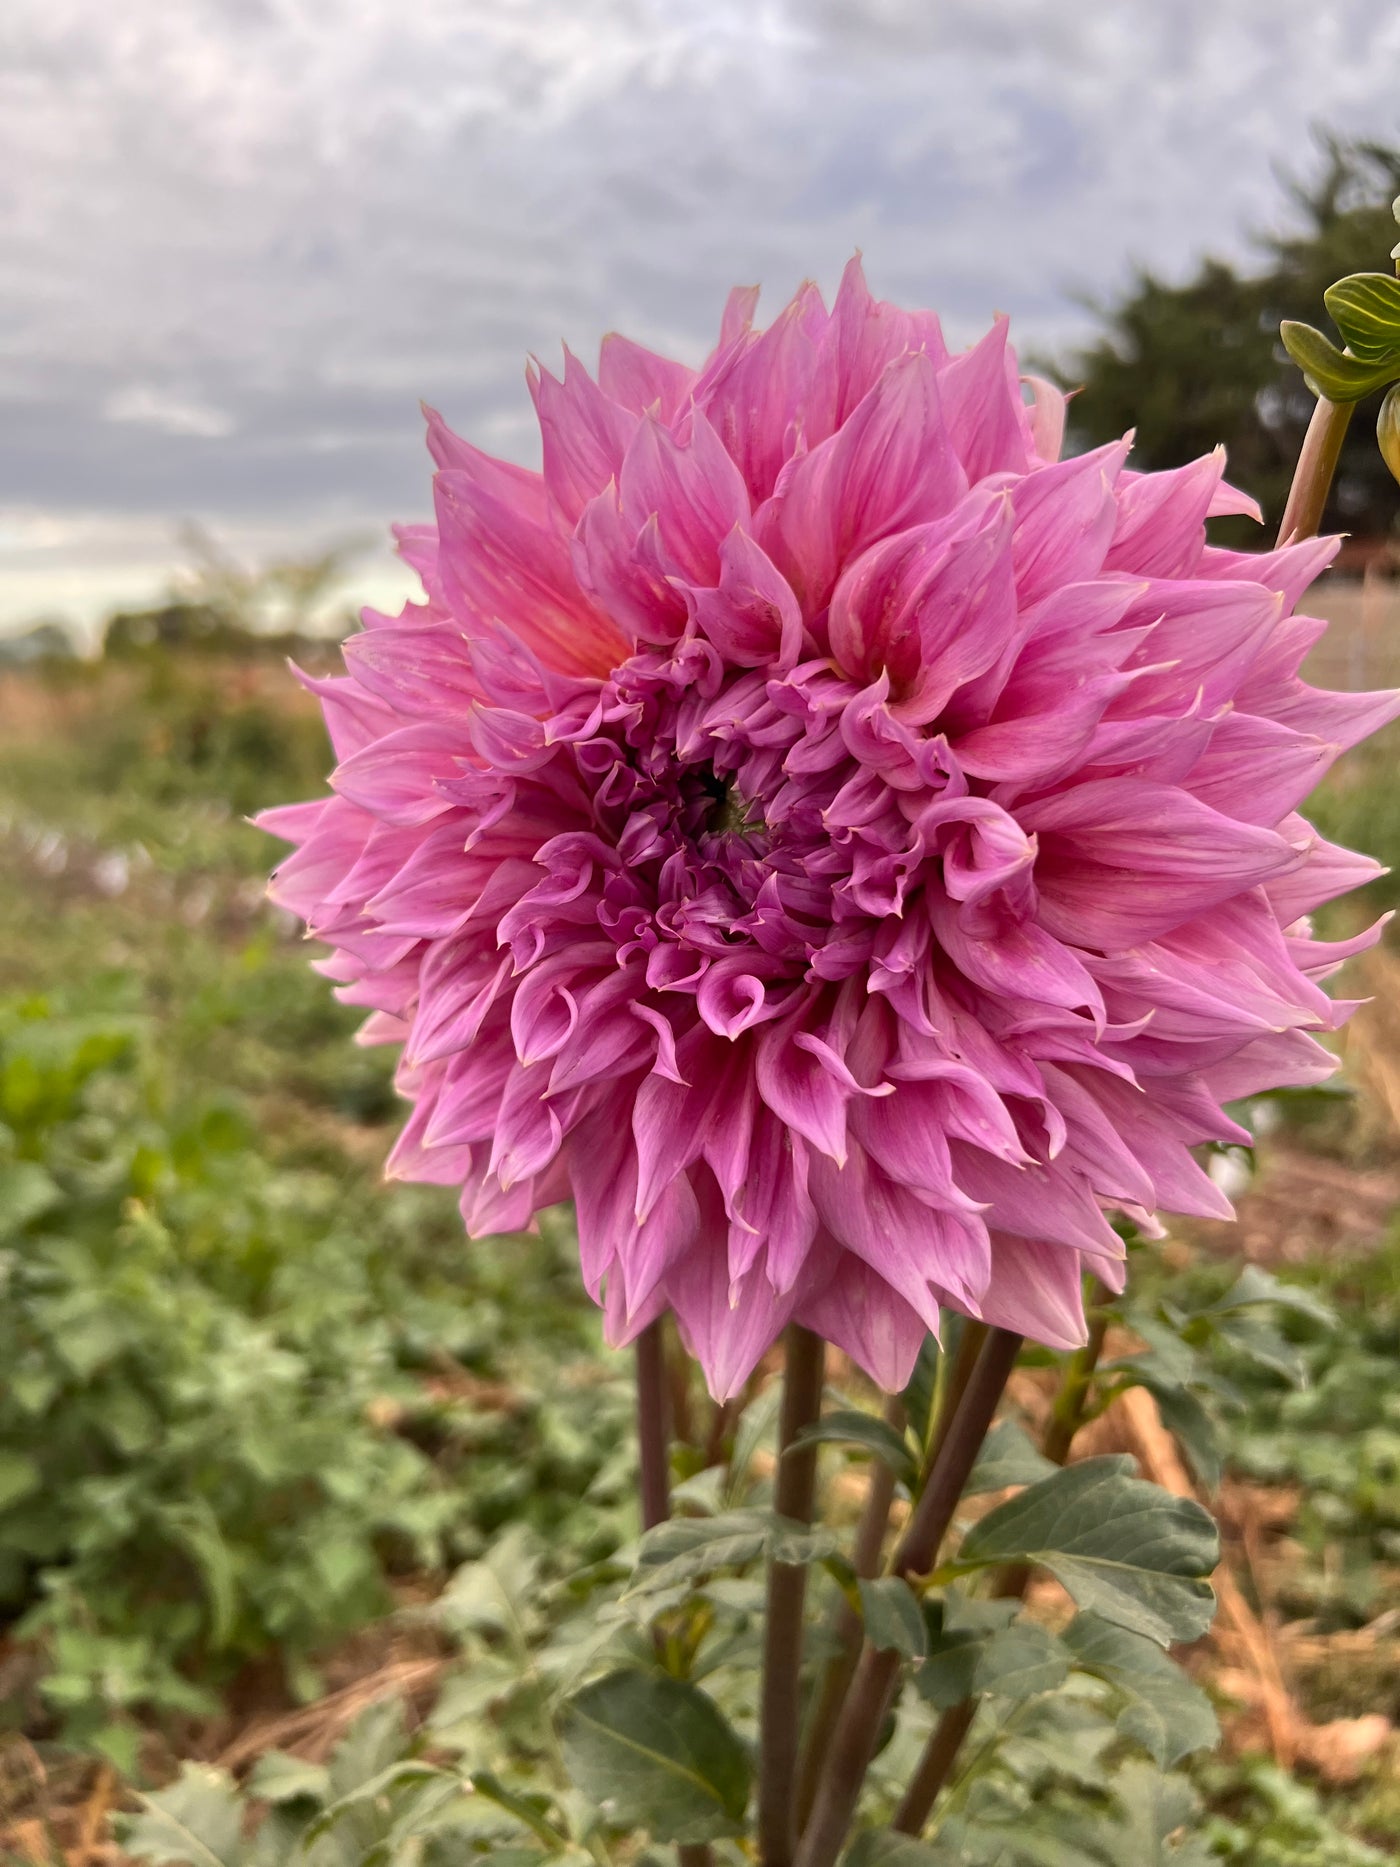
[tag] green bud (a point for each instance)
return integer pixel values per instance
(1388, 431)
(1366, 309)
(1329, 371)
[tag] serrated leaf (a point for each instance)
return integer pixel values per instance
(1007, 1458)
(1258, 1339)
(1366, 309)
(278, 1777)
(851, 1428)
(1020, 1662)
(893, 1617)
(1166, 1712)
(684, 1548)
(196, 1822)
(657, 1753)
(1256, 1285)
(1129, 1550)
(1331, 374)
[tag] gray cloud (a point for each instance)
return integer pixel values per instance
(243, 238)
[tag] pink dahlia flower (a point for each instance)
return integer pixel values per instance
(848, 849)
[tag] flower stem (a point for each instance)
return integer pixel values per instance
(787, 1589)
(865, 1560)
(1312, 477)
(877, 1670)
(654, 1456)
(1066, 1417)
(651, 1425)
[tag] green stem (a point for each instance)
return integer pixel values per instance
(877, 1671)
(651, 1425)
(865, 1560)
(1312, 477)
(1066, 1417)
(654, 1456)
(793, 1494)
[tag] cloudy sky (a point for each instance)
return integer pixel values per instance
(242, 238)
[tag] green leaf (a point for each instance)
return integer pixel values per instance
(26, 1191)
(196, 1822)
(1019, 1662)
(1366, 309)
(1007, 1458)
(1256, 1285)
(893, 1617)
(1166, 1712)
(946, 1677)
(684, 1548)
(882, 1847)
(1331, 374)
(657, 1753)
(20, 1476)
(278, 1777)
(850, 1428)
(527, 1810)
(1130, 1550)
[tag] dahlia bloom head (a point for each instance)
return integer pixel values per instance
(846, 848)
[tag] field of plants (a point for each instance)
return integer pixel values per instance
(282, 1456)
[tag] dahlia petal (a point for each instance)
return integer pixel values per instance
(1160, 518)
(395, 778)
(752, 616)
(499, 559)
(982, 407)
(862, 1315)
(1047, 417)
(641, 380)
(934, 607)
(727, 1330)
(692, 488)
(1169, 857)
(1289, 569)
(890, 466)
(912, 1245)
(1324, 871)
(1256, 770)
(585, 435)
(1038, 1291)
(415, 671)
(1065, 518)
(754, 393)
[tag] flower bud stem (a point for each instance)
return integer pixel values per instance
(877, 1671)
(1312, 477)
(793, 1491)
